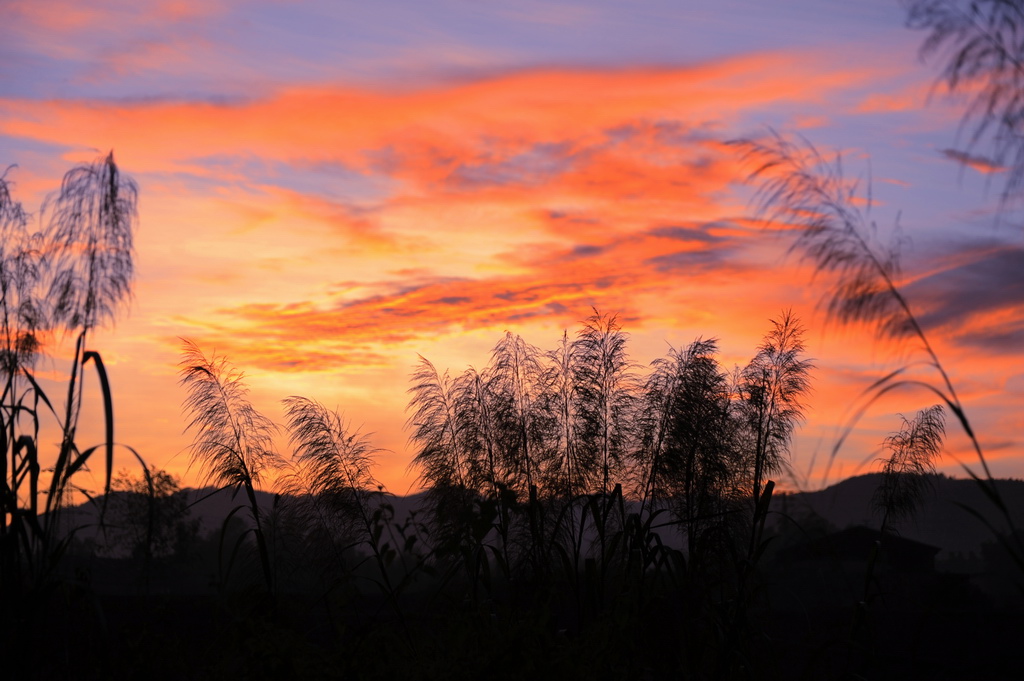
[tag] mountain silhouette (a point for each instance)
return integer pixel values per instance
(941, 520)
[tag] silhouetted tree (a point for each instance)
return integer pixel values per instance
(149, 515)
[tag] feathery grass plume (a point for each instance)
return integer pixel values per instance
(490, 475)
(905, 472)
(83, 253)
(604, 383)
(798, 187)
(89, 270)
(982, 43)
(653, 422)
(19, 274)
(440, 423)
(336, 462)
(684, 389)
(478, 432)
(568, 471)
(21, 267)
(91, 221)
(514, 380)
(698, 462)
(335, 479)
(436, 428)
(233, 443)
(772, 388)
(605, 387)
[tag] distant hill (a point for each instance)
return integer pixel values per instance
(211, 506)
(941, 519)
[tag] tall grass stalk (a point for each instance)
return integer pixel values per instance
(335, 471)
(232, 442)
(614, 462)
(66, 279)
(798, 187)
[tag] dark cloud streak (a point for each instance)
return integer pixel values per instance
(961, 300)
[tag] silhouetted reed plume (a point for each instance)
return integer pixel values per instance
(774, 385)
(335, 462)
(913, 451)
(90, 230)
(68, 278)
(982, 42)
(798, 188)
(232, 442)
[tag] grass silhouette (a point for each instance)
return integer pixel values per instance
(233, 443)
(584, 514)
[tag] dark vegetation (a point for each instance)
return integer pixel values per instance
(583, 516)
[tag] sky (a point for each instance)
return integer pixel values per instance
(329, 190)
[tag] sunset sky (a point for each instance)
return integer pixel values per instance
(329, 189)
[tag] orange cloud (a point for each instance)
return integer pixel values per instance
(912, 97)
(556, 283)
(341, 123)
(980, 163)
(70, 17)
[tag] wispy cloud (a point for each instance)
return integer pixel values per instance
(558, 283)
(978, 301)
(975, 162)
(526, 195)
